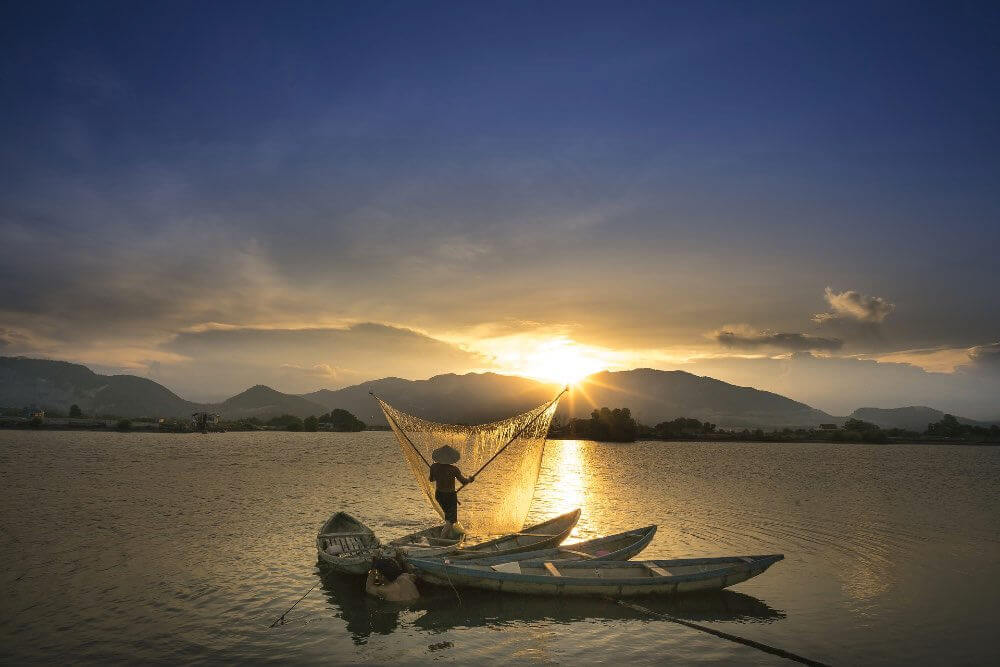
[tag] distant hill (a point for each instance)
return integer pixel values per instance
(60, 384)
(655, 396)
(913, 417)
(652, 395)
(474, 398)
(264, 402)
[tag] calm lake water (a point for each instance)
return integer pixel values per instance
(166, 548)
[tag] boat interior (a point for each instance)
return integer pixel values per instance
(629, 570)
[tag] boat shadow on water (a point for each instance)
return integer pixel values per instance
(363, 614)
(440, 609)
(444, 611)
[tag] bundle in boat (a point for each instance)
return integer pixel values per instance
(621, 546)
(605, 578)
(546, 534)
(346, 544)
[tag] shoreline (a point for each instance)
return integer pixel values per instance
(142, 427)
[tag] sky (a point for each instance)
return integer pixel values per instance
(801, 197)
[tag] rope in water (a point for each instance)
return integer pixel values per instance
(724, 635)
(281, 619)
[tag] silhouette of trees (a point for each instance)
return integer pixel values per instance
(947, 427)
(342, 420)
(75, 412)
(682, 426)
(856, 430)
(859, 425)
(605, 425)
(287, 422)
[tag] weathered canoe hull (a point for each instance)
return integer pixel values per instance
(527, 540)
(427, 552)
(437, 572)
(409, 544)
(348, 565)
(624, 546)
(342, 526)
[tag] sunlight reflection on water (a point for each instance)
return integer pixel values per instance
(567, 489)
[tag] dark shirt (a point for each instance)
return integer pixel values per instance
(445, 474)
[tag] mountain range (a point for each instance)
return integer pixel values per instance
(912, 418)
(652, 395)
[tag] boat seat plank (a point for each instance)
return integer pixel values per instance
(581, 554)
(552, 569)
(657, 570)
(511, 568)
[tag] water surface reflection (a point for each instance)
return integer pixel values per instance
(440, 609)
(120, 548)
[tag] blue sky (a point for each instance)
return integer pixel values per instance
(634, 179)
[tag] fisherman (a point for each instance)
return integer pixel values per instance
(387, 581)
(443, 474)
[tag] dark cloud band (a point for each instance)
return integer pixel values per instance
(792, 342)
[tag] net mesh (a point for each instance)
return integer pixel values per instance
(498, 501)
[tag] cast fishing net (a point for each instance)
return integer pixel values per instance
(498, 501)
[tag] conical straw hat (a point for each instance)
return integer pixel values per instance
(446, 454)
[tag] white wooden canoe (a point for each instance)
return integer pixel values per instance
(621, 546)
(540, 536)
(426, 543)
(617, 579)
(346, 544)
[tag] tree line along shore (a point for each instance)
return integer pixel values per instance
(618, 425)
(603, 425)
(336, 420)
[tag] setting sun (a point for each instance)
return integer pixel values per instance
(562, 361)
(550, 359)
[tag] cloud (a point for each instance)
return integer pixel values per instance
(934, 359)
(14, 341)
(986, 356)
(839, 385)
(225, 360)
(325, 371)
(856, 306)
(741, 337)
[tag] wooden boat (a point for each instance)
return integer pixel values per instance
(426, 543)
(546, 534)
(346, 544)
(616, 579)
(621, 546)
